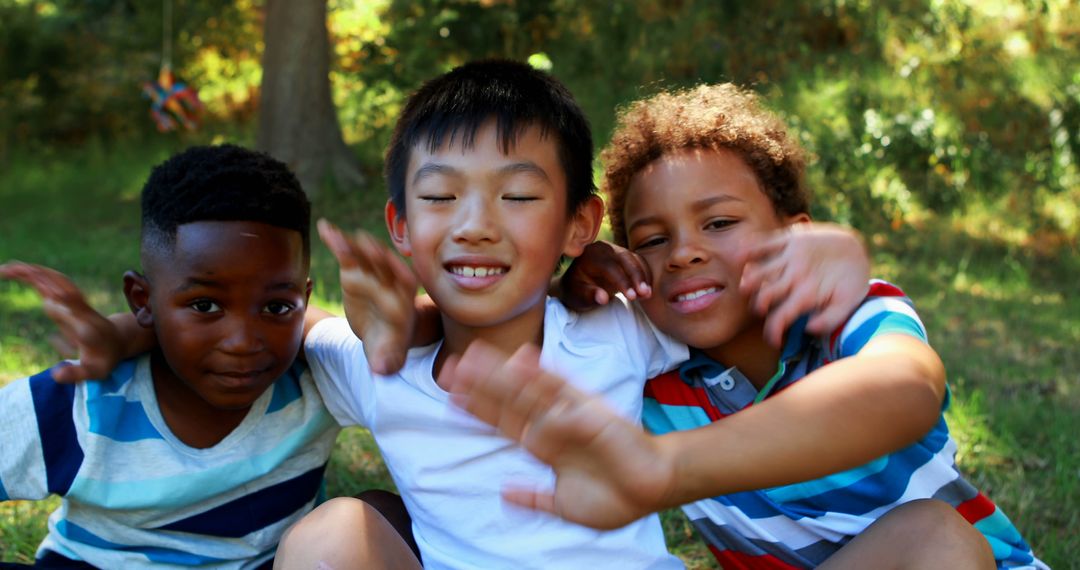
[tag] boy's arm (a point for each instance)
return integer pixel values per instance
(100, 343)
(610, 472)
(815, 268)
(379, 297)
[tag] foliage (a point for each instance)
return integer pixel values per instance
(947, 130)
(1005, 322)
(71, 70)
(907, 106)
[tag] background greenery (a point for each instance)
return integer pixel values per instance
(947, 131)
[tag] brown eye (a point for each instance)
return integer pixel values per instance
(719, 224)
(649, 243)
(205, 306)
(278, 308)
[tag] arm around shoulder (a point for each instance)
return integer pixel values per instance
(840, 416)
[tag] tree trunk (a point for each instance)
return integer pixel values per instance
(297, 120)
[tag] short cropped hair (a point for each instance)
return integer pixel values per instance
(716, 117)
(517, 96)
(221, 183)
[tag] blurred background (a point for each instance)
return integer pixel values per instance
(947, 131)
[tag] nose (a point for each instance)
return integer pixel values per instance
(475, 221)
(685, 252)
(242, 335)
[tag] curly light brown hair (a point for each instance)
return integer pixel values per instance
(717, 117)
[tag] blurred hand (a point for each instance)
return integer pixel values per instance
(608, 471)
(601, 271)
(816, 268)
(83, 332)
(378, 293)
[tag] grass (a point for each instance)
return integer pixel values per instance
(1002, 316)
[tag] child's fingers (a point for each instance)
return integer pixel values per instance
(767, 246)
(827, 318)
(63, 346)
(836, 306)
(783, 315)
(34, 276)
(472, 375)
(530, 499)
(773, 291)
(71, 373)
(335, 241)
(637, 274)
(537, 398)
(756, 274)
(374, 257)
(600, 296)
(402, 274)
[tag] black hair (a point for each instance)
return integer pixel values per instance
(222, 183)
(517, 96)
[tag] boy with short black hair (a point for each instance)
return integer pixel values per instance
(490, 179)
(204, 451)
(694, 176)
(489, 172)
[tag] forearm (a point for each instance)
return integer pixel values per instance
(842, 416)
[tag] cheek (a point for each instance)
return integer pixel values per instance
(656, 309)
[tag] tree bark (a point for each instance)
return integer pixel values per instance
(297, 120)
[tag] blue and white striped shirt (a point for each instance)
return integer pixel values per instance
(134, 496)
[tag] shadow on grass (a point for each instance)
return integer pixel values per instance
(1006, 323)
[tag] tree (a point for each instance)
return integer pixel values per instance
(297, 120)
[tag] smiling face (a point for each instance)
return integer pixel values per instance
(486, 228)
(688, 214)
(227, 305)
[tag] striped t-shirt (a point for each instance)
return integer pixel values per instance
(134, 496)
(800, 525)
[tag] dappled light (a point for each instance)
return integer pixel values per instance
(946, 131)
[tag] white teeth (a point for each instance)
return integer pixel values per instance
(695, 294)
(466, 271)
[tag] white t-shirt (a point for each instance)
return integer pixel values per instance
(449, 467)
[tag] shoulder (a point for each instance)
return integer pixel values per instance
(885, 310)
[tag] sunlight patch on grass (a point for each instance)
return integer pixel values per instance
(22, 527)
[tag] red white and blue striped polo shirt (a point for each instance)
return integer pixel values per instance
(800, 525)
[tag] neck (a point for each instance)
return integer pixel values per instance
(189, 417)
(748, 352)
(507, 336)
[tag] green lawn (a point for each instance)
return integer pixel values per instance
(1004, 319)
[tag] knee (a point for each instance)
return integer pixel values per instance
(939, 529)
(335, 520)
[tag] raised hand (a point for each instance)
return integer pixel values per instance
(609, 472)
(84, 332)
(378, 293)
(601, 271)
(817, 268)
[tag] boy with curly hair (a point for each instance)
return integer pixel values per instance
(693, 178)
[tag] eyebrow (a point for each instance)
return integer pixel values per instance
(193, 283)
(523, 167)
(699, 205)
(432, 169)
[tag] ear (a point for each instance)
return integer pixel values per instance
(307, 291)
(137, 292)
(802, 218)
(584, 226)
(398, 228)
